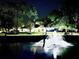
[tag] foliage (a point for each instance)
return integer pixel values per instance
(71, 9)
(6, 18)
(60, 20)
(16, 13)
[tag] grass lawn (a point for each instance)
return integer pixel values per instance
(2, 34)
(37, 34)
(23, 34)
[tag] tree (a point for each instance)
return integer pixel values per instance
(22, 12)
(55, 17)
(71, 10)
(6, 18)
(47, 21)
(32, 16)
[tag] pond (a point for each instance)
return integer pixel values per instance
(36, 50)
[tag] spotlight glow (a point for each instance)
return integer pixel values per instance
(54, 45)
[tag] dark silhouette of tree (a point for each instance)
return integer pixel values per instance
(71, 9)
(20, 13)
(6, 18)
(47, 22)
(20, 7)
(55, 16)
(11, 10)
(57, 13)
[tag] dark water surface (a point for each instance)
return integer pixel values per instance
(23, 51)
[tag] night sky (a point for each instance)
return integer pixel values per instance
(44, 7)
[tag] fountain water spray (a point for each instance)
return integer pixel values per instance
(54, 45)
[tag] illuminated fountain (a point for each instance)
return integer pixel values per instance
(54, 45)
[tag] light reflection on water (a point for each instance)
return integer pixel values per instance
(54, 45)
